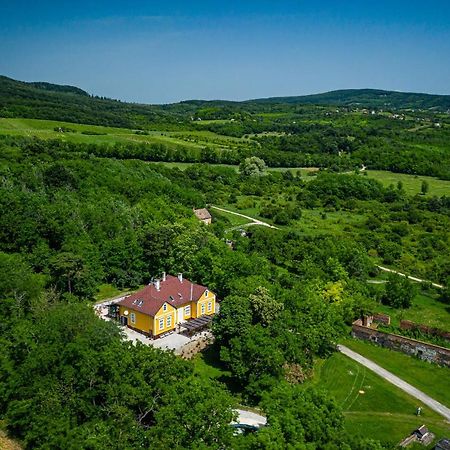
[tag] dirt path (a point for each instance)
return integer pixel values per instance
(260, 222)
(254, 221)
(396, 381)
(419, 280)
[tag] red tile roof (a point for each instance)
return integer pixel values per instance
(173, 291)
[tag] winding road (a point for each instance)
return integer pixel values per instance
(253, 221)
(396, 381)
(265, 224)
(419, 280)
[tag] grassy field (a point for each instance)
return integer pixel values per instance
(430, 378)
(318, 221)
(45, 129)
(373, 407)
(231, 219)
(106, 291)
(411, 183)
(425, 310)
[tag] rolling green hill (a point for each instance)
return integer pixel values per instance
(40, 100)
(374, 98)
(71, 104)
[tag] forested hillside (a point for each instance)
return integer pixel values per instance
(369, 98)
(85, 206)
(284, 134)
(71, 104)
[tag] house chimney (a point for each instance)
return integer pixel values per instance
(180, 277)
(157, 285)
(164, 276)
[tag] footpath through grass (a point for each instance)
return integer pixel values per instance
(429, 378)
(373, 407)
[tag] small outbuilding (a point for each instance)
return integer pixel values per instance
(203, 215)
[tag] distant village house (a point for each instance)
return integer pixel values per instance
(165, 304)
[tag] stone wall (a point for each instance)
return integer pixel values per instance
(423, 350)
(382, 318)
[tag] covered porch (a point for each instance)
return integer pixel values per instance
(193, 326)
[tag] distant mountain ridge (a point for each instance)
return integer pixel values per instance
(45, 86)
(42, 100)
(57, 87)
(366, 98)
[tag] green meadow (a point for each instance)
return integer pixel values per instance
(424, 309)
(196, 138)
(373, 407)
(429, 378)
(412, 183)
(82, 133)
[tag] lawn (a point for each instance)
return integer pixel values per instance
(373, 407)
(411, 183)
(429, 378)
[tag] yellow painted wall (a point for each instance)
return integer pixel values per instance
(187, 316)
(149, 324)
(143, 322)
(161, 314)
(197, 306)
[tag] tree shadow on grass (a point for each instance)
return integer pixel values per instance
(211, 357)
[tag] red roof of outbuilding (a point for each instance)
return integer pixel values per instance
(173, 291)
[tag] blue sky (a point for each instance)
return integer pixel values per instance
(157, 52)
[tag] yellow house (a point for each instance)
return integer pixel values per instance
(165, 303)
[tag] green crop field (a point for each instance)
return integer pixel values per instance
(373, 407)
(429, 378)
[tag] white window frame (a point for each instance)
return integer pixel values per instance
(203, 309)
(209, 306)
(206, 293)
(165, 307)
(187, 310)
(161, 322)
(168, 321)
(132, 318)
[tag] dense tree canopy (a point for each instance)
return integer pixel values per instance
(75, 216)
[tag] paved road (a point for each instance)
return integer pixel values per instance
(403, 385)
(419, 280)
(255, 221)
